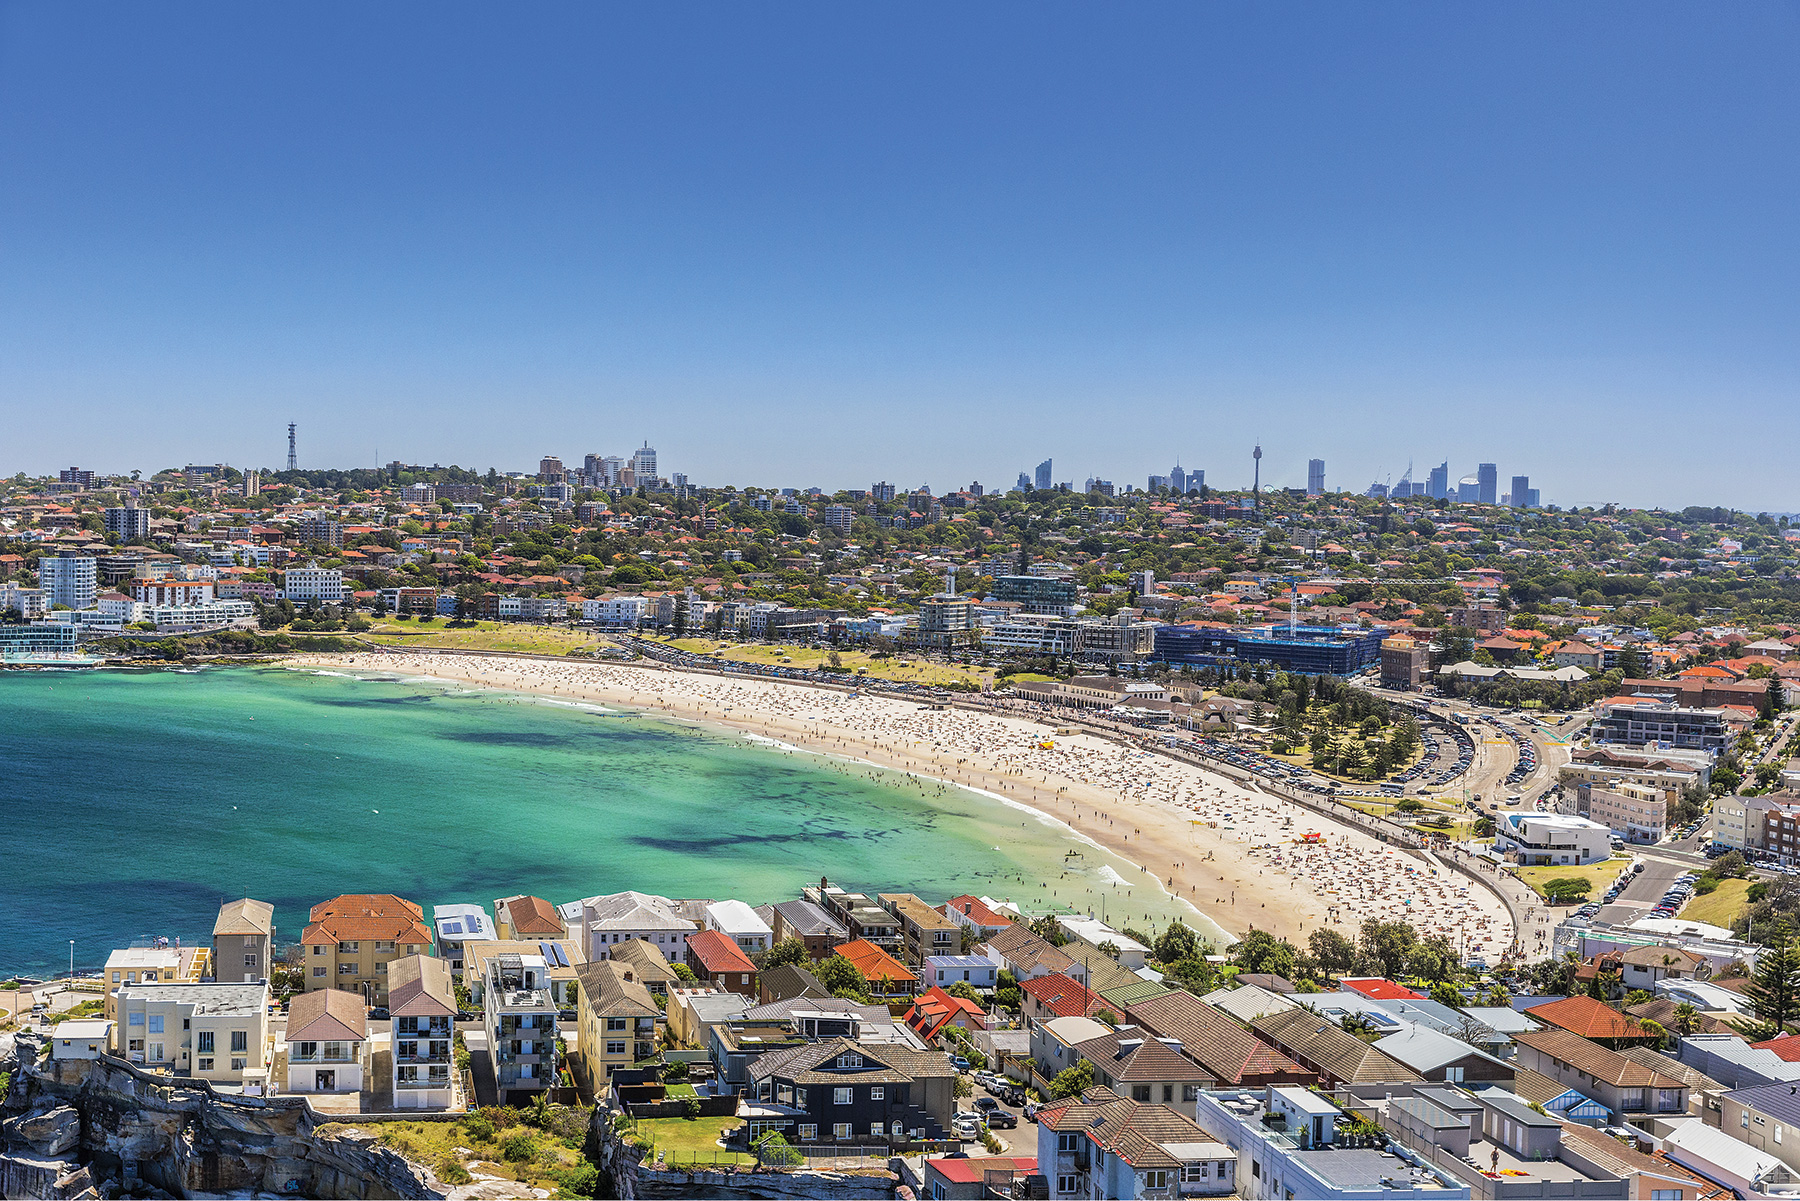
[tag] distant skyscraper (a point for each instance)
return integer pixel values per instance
(1024, 482)
(643, 463)
(1468, 490)
(1043, 474)
(1488, 477)
(1196, 481)
(1438, 485)
(1521, 492)
(1315, 477)
(1177, 480)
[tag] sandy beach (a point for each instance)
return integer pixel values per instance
(1237, 854)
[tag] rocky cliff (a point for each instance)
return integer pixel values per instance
(91, 1128)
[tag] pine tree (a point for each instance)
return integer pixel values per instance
(1775, 985)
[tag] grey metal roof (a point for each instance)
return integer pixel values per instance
(205, 998)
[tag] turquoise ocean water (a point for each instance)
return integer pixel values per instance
(139, 800)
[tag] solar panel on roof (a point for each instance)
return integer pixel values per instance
(553, 954)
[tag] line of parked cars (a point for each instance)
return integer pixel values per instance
(1678, 895)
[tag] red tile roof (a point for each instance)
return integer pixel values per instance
(359, 916)
(873, 962)
(1062, 996)
(1588, 1018)
(1785, 1046)
(718, 953)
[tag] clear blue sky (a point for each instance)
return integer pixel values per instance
(825, 245)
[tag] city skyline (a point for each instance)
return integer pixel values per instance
(1557, 239)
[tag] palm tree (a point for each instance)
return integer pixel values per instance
(1685, 1018)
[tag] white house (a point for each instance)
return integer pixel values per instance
(459, 924)
(738, 922)
(83, 1038)
(328, 1039)
(1552, 838)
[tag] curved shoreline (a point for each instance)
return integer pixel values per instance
(1229, 846)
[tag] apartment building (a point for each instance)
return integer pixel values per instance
(421, 1016)
(1635, 812)
(242, 935)
(924, 931)
(457, 926)
(351, 940)
(1667, 771)
(519, 1014)
(160, 963)
(321, 585)
(72, 581)
(216, 1032)
(562, 956)
(616, 1021)
(616, 611)
(1102, 1145)
(603, 922)
(1647, 721)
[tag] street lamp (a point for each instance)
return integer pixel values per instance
(71, 957)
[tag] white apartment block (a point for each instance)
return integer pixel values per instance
(615, 610)
(321, 584)
(72, 581)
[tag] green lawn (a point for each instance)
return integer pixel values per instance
(1721, 906)
(684, 1141)
(906, 668)
(1601, 874)
(520, 636)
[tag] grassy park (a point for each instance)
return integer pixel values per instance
(904, 668)
(1599, 875)
(1721, 906)
(435, 633)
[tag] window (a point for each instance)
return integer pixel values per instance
(156, 1052)
(849, 1061)
(305, 1051)
(840, 1130)
(842, 1096)
(1140, 1092)
(1665, 1194)
(318, 950)
(203, 1042)
(616, 1047)
(115, 977)
(1190, 1092)
(319, 971)
(240, 1040)
(1065, 1184)
(156, 1023)
(615, 1023)
(238, 1063)
(1065, 1142)
(809, 1131)
(249, 958)
(878, 1129)
(1192, 1173)
(1168, 1093)
(136, 1044)
(136, 1019)
(1156, 1179)
(346, 969)
(348, 948)
(384, 944)
(877, 1093)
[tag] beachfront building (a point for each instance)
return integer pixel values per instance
(924, 931)
(519, 1015)
(214, 1032)
(351, 940)
(422, 1012)
(603, 922)
(527, 917)
(738, 922)
(458, 925)
(562, 957)
(160, 962)
(1551, 839)
(241, 941)
(327, 1042)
